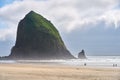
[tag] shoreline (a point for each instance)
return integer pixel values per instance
(23, 71)
(63, 62)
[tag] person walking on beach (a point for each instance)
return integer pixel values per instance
(85, 64)
(114, 65)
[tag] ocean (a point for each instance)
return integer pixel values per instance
(91, 61)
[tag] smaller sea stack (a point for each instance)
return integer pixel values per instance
(82, 55)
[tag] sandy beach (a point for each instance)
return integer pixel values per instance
(56, 72)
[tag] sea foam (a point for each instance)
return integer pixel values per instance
(93, 61)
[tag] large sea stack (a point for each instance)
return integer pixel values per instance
(37, 38)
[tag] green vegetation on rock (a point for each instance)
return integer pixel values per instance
(42, 24)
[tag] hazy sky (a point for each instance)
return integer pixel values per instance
(93, 25)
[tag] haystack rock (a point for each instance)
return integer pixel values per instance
(37, 38)
(82, 55)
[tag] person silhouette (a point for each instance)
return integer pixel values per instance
(85, 64)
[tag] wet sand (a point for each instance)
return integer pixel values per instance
(20, 71)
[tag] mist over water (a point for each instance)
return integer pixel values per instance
(91, 61)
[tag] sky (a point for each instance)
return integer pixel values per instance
(92, 25)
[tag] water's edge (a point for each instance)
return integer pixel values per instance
(92, 61)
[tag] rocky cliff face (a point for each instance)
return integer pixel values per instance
(37, 38)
